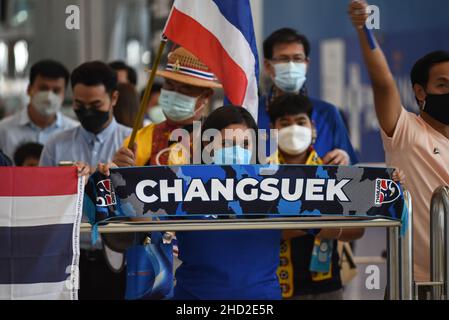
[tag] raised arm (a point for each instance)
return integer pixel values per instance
(386, 94)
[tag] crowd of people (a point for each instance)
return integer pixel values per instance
(250, 264)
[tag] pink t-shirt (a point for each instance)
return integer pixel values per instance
(423, 154)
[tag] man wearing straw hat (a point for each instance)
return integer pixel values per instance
(188, 88)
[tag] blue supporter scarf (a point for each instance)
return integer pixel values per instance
(234, 191)
(245, 190)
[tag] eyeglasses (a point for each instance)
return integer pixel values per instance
(286, 59)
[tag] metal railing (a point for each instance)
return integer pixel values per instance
(439, 241)
(406, 245)
(399, 259)
(241, 224)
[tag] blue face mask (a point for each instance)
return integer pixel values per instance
(290, 77)
(177, 106)
(232, 155)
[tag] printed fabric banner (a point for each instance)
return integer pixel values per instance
(267, 190)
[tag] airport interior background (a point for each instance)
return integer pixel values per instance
(130, 30)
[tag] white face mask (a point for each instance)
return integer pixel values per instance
(177, 106)
(46, 103)
(290, 77)
(295, 139)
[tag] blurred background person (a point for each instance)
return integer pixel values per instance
(42, 118)
(127, 107)
(2, 108)
(154, 113)
(125, 73)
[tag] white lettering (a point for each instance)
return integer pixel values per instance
(336, 190)
(247, 189)
(226, 191)
(372, 282)
(240, 189)
(73, 20)
(373, 20)
(140, 191)
(196, 190)
(314, 190)
(285, 189)
(166, 190)
(270, 186)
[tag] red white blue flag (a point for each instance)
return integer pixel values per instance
(40, 216)
(221, 34)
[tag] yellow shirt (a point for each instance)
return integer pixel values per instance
(312, 160)
(144, 140)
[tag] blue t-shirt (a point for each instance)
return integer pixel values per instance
(228, 265)
(331, 130)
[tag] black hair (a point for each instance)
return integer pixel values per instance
(289, 104)
(49, 69)
(93, 74)
(27, 150)
(229, 115)
(284, 36)
(120, 65)
(421, 69)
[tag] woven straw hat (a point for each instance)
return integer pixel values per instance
(182, 66)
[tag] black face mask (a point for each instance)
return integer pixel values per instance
(92, 120)
(437, 106)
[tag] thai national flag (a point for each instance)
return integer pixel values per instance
(40, 216)
(221, 34)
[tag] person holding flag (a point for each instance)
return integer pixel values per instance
(217, 45)
(152, 147)
(187, 90)
(218, 50)
(221, 34)
(188, 87)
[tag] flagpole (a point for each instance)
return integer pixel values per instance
(146, 96)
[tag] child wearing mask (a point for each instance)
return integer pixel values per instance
(291, 115)
(227, 265)
(238, 264)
